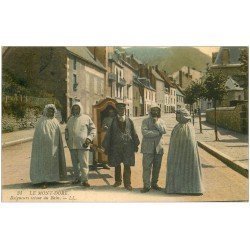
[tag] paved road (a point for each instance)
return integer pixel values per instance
(220, 182)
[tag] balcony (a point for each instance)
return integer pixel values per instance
(122, 82)
(112, 77)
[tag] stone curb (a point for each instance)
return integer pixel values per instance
(235, 165)
(12, 143)
(16, 142)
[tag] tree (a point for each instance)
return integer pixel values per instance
(244, 69)
(189, 98)
(193, 93)
(215, 90)
(244, 60)
(198, 90)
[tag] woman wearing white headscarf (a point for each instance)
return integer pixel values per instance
(47, 157)
(183, 163)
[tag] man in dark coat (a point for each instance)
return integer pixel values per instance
(120, 144)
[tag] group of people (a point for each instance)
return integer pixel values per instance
(120, 144)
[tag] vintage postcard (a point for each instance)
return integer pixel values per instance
(124, 124)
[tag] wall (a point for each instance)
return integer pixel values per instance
(233, 118)
(232, 95)
(160, 94)
(90, 87)
(136, 101)
(43, 67)
(128, 89)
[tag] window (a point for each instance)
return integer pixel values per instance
(74, 63)
(74, 83)
(116, 72)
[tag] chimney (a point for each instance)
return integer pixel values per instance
(188, 70)
(180, 78)
(156, 67)
(225, 58)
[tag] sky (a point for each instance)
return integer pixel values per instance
(208, 50)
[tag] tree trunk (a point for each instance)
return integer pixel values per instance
(193, 114)
(200, 120)
(215, 122)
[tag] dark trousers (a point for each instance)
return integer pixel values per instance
(126, 175)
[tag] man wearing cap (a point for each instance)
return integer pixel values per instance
(153, 128)
(120, 144)
(79, 133)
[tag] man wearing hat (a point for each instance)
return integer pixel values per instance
(120, 144)
(153, 128)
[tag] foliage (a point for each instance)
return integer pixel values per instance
(244, 60)
(9, 123)
(198, 90)
(214, 84)
(194, 92)
(190, 97)
(12, 85)
(20, 108)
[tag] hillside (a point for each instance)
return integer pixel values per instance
(171, 58)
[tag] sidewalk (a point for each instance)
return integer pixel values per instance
(12, 138)
(232, 144)
(16, 137)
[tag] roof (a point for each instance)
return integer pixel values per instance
(234, 55)
(167, 79)
(241, 80)
(86, 55)
(196, 74)
(232, 84)
(178, 92)
(145, 83)
(156, 75)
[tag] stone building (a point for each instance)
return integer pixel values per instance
(227, 60)
(149, 94)
(159, 84)
(171, 92)
(129, 74)
(67, 73)
(179, 99)
(138, 101)
(186, 76)
(119, 76)
(235, 93)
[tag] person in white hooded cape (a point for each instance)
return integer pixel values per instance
(184, 174)
(47, 157)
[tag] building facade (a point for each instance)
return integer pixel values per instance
(67, 73)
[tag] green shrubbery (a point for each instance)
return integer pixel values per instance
(17, 114)
(22, 105)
